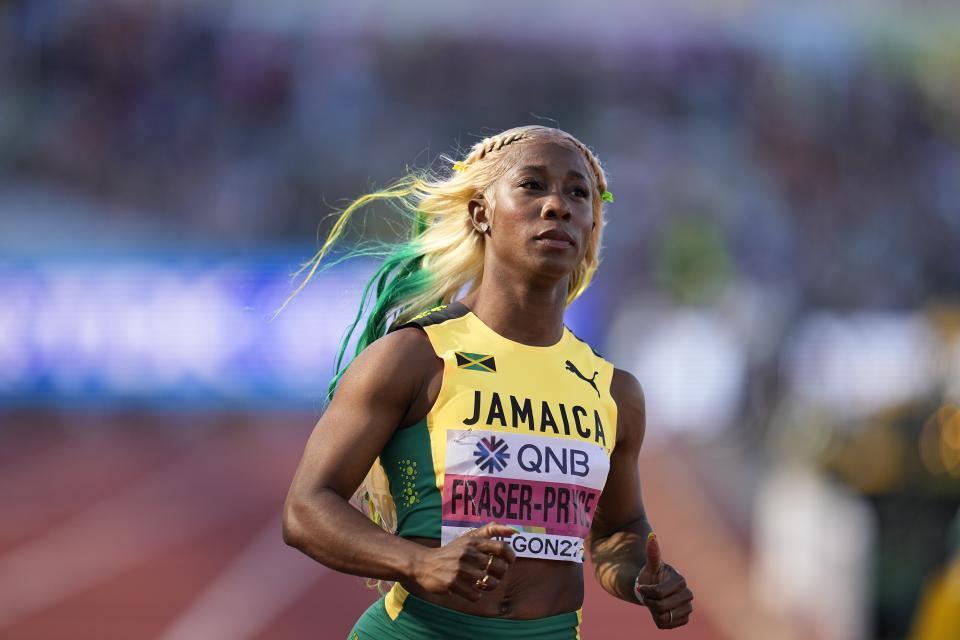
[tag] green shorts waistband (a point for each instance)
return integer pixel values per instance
(400, 604)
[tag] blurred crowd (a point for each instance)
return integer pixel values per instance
(790, 211)
(832, 173)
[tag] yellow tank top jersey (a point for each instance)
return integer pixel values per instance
(518, 434)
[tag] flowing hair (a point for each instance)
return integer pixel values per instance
(442, 255)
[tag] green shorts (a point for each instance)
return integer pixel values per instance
(401, 616)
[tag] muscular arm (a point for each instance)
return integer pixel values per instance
(390, 384)
(373, 398)
(618, 541)
(620, 527)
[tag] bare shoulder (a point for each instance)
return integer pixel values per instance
(402, 358)
(371, 401)
(395, 374)
(409, 342)
(626, 391)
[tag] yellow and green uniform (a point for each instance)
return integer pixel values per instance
(518, 434)
(401, 616)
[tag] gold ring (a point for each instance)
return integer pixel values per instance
(489, 562)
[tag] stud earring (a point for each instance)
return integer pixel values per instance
(482, 227)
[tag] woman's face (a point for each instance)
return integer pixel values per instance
(542, 210)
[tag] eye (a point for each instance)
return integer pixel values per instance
(580, 192)
(530, 183)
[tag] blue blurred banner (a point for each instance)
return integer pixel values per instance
(175, 331)
(178, 330)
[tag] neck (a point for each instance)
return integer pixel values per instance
(524, 312)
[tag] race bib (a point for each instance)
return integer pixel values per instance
(547, 488)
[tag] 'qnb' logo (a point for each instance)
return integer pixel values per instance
(491, 454)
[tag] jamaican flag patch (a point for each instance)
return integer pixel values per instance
(476, 362)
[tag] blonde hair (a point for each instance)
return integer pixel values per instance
(443, 255)
(450, 249)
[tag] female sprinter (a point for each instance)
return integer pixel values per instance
(508, 445)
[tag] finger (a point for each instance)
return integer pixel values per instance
(498, 568)
(489, 562)
(654, 592)
(498, 548)
(466, 581)
(653, 554)
(477, 579)
(486, 582)
(678, 599)
(469, 575)
(675, 601)
(651, 593)
(493, 530)
(673, 618)
(672, 583)
(476, 555)
(464, 591)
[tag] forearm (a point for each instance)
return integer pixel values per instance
(329, 530)
(619, 556)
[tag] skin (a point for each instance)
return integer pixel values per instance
(395, 382)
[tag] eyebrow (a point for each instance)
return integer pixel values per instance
(540, 167)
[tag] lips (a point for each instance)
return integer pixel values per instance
(555, 238)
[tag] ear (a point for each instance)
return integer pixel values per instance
(477, 208)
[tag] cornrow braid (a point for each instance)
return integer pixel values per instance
(480, 150)
(594, 164)
(493, 143)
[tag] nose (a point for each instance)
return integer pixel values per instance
(554, 206)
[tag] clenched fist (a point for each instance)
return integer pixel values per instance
(469, 565)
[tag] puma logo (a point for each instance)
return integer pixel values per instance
(590, 381)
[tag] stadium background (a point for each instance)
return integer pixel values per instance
(781, 272)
